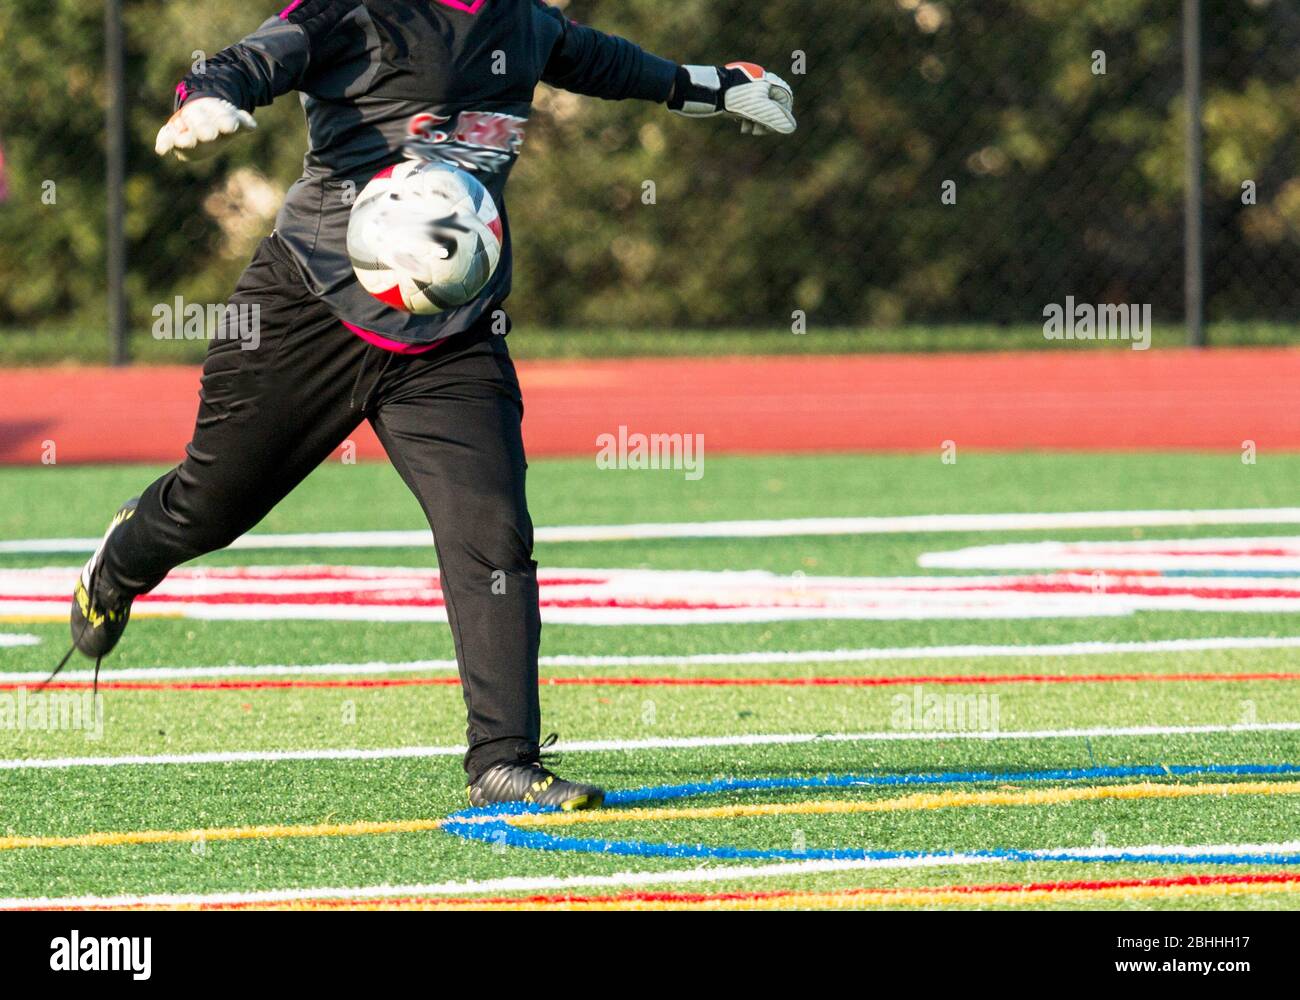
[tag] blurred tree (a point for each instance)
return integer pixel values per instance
(1065, 168)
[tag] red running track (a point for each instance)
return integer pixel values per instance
(1098, 400)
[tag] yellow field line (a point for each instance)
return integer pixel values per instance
(62, 616)
(904, 803)
(222, 833)
(912, 803)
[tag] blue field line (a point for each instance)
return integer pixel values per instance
(658, 792)
(489, 823)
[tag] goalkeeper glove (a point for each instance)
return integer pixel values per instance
(192, 132)
(761, 100)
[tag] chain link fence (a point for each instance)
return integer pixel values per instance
(957, 162)
(1252, 119)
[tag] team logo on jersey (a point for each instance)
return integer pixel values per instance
(471, 140)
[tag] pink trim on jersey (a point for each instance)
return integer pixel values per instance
(284, 14)
(461, 5)
(183, 92)
(396, 346)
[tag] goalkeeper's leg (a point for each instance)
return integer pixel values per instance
(450, 422)
(267, 416)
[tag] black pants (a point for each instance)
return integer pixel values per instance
(449, 420)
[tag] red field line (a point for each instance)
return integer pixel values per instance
(1280, 878)
(1092, 400)
(683, 682)
(1001, 888)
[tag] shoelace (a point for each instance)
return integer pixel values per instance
(64, 662)
(543, 759)
(68, 655)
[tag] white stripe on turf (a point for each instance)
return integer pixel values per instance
(235, 670)
(694, 660)
(662, 743)
(1279, 556)
(10, 639)
(744, 529)
(681, 876)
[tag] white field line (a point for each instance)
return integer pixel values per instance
(661, 743)
(9, 640)
(1274, 553)
(904, 524)
(901, 608)
(695, 660)
(680, 876)
(922, 607)
(234, 670)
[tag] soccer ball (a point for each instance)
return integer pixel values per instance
(424, 237)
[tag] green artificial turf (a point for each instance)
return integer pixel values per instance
(89, 344)
(75, 501)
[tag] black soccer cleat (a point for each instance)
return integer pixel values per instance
(532, 783)
(99, 614)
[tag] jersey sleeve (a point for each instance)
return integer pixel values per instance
(272, 60)
(590, 62)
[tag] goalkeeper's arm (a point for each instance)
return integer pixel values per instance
(587, 61)
(217, 99)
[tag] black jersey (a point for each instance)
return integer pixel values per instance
(384, 79)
